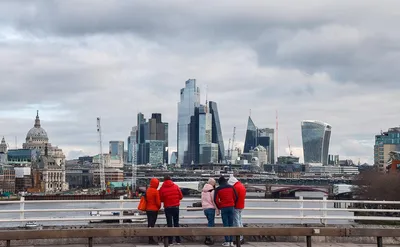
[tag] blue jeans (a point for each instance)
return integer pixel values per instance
(227, 220)
(210, 215)
(237, 220)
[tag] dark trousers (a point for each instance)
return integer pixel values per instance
(151, 220)
(227, 219)
(172, 215)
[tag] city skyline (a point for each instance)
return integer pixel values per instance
(330, 67)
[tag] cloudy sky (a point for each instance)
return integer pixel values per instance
(331, 60)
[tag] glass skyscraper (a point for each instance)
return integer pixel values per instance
(265, 138)
(117, 149)
(251, 136)
(316, 136)
(216, 130)
(190, 99)
(132, 146)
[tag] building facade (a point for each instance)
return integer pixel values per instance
(316, 136)
(250, 141)
(3, 151)
(259, 156)
(385, 143)
(7, 179)
(266, 139)
(152, 140)
(189, 101)
(174, 158)
(260, 137)
(48, 168)
(117, 149)
(217, 137)
(132, 146)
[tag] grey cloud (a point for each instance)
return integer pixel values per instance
(320, 60)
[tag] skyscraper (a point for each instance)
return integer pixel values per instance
(207, 151)
(117, 149)
(251, 136)
(152, 140)
(132, 146)
(189, 100)
(316, 136)
(263, 137)
(216, 130)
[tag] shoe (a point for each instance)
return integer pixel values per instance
(227, 244)
(241, 242)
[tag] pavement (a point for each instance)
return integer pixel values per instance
(250, 244)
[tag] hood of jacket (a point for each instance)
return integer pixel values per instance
(154, 183)
(207, 187)
(232, 180)
(167, 184)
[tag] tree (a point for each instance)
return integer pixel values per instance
(371, 185)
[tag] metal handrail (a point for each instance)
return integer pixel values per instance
(323, 217)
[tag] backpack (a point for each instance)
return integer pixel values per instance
(143, 203)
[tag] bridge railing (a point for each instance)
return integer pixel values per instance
(323, 211)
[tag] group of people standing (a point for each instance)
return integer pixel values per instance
(227, 200)
(170, 195)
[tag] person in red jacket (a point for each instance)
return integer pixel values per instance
(153, 205)
(171, 195)
(241, 192)
(225, 199)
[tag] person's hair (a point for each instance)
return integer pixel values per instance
(222, 180)
(167, 177)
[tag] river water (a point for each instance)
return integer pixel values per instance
(133, 205)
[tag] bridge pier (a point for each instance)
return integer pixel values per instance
(308, 239)
(90, 243)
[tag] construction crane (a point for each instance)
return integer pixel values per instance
(290, 150)
(228, 157)
(101, 165)
(233, 142)
(233, 138)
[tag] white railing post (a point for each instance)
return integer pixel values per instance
(121, 206)
(22, 210)
(324, 211)
(301, 202)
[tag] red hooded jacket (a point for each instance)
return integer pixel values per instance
(153, 196)
(240, 190)
(170, 194)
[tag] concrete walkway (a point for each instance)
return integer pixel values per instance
(250, 244)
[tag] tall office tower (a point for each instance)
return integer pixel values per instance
(117, 149)
(385, 143)
(265, 138)
(189, 100)
(316, 136)
(132, 146)
(216, 130)
(141, 130)
(251, 136)
(260, 136)
(207, 151)
(152, 140)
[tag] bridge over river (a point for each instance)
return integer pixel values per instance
(274, 191)
(263, 180)
(266, 220)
